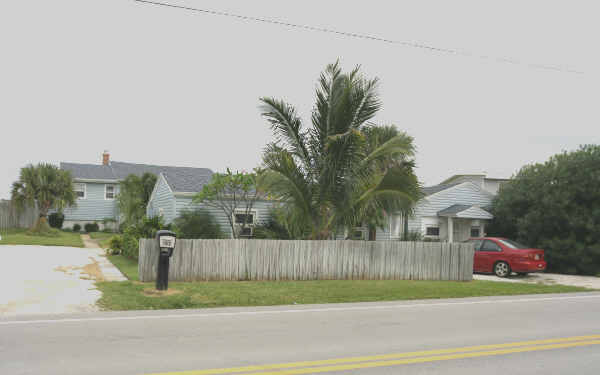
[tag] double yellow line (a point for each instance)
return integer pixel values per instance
(353, 363)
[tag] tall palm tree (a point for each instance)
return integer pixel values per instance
(46, 186)
(343, 170)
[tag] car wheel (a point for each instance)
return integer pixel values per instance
(502, 269)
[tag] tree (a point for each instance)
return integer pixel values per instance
(555, 206)
(134, 196)
(45, 186)
(343, 171)
(234, 194)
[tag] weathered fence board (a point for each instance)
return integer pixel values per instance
(206, 260)
(10, 217)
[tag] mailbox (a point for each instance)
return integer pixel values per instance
(166, 243)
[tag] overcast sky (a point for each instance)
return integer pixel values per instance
(170, 87)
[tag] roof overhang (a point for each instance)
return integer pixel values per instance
(466, 212)
(97, 180)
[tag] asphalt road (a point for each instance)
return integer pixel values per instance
(544, 334)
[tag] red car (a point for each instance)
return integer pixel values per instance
(502, 256)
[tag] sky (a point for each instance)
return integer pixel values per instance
(166, 86)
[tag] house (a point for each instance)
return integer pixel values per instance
(489, 184)
(174, 194)
(450, 212)
(97, 186)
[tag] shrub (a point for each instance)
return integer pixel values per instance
(56, 220)
(197, 224)
(115, 245)
(76, 228)
(91, 227)
(145, 229)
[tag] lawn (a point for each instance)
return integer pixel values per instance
(102, 238)
(133, 295)
(20, 237)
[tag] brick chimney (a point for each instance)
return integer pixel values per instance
(105, 158)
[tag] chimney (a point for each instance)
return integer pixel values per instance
(105, 158)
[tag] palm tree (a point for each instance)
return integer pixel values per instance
(343, 170)
(45, 186)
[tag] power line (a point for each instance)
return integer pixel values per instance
(364, 37)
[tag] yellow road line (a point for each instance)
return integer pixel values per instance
(313, 370)
(235, 370)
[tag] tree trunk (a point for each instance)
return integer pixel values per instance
(372, 233)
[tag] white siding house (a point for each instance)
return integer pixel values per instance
(449, 212)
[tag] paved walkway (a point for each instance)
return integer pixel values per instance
(546, 278)
(52, 279)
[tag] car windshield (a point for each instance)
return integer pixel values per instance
(513, 244)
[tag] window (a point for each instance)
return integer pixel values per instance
(245, 232)
(490, 246)
(475, 232)
(109, 191)
(476, 243)
(432, 231)
(242, 217)
(358, 234)
(79, 190)
(513, 244)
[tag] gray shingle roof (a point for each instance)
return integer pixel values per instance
(180, 179)
(437, 188)
(454, 209)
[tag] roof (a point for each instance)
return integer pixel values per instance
(180, 179)
(454, 177)
(465, 212)
(437, 188)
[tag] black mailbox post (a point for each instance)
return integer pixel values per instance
(166, 243)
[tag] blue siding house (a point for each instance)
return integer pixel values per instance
(174, 194)
(97, 186)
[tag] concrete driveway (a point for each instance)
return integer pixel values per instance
(546, 278)
(51, 279)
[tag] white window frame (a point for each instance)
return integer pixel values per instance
(427, 226)
(252, 212)
(362, 230)
(114, 192)
(84, 189)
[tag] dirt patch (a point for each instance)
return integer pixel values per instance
(90, 271)
(161, 293)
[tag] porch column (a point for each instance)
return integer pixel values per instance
(482, 230)
(450, 230)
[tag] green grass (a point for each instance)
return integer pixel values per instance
(129, 295)
(102, 238)
(128, 267)
(58, 238)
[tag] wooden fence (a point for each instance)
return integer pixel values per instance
(205, 260)
(10, 217)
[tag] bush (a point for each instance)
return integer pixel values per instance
(115, 245)
(145, 229)
(91, 227)
(198, 224)
(555, 206)
(56, 220)
(76, 228)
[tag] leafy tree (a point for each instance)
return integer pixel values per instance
(197, 224)
(134, 196)
(342, 171)
(555, 206)
(46, 186)
(231, 193)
